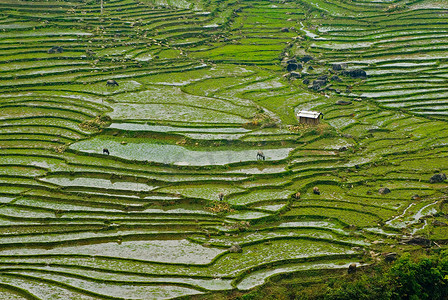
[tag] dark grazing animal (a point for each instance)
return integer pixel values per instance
(106, 151)
(260, 155)
(111, 82)
(55, 49)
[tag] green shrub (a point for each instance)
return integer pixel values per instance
(405, 279)
(423, 279)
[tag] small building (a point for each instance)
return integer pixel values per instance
(309, 117)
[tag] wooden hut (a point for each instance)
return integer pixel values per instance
(309, 117)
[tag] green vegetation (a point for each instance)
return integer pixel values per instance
(406, 278)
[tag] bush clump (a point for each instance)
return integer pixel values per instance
(323, 130)
(395, 7)
(426, 278)
(240, 226)
(261, 120)
(220, 207)
(96, 124)
(410, 278)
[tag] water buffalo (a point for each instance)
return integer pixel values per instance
(111, 82)
(55, 49)
(106, 151)
(260, 155)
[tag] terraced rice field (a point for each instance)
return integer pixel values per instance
(200, 91)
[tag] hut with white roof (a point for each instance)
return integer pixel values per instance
(309, 117)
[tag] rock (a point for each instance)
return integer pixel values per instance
(343, 102)
(346, 135)
(418, 240)
(316, 190)
(235, 249)
(384, 191)
(415, 197)
(306, 58)
(336, 78)
(292, 67)
(310, 68)
(438, 223)
(356, 73)
(436, 178)
(306, 81)
(390, 257)
(295, 75)
(338, 67)
(322, 77)
(318, 84)
(351, 269)
(342, 149)
(369, 192)
(291, 61)
(284, 29)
